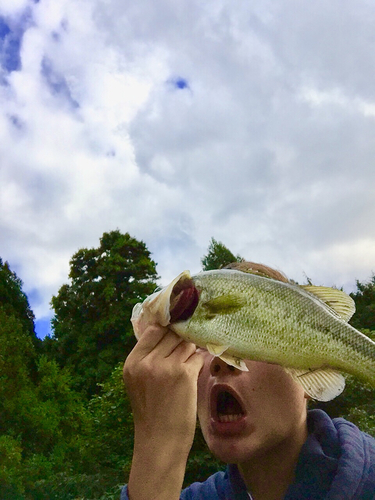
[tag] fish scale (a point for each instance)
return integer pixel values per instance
(244, 316)
(298, 329)
(287, 316)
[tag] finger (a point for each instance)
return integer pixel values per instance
(196, 362)
(167, 344)
(182, 352)
(157, 340)
(201, 349)
(150, 338)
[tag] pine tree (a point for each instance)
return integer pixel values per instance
(218, 256)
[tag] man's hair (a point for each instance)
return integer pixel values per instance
(258, 269)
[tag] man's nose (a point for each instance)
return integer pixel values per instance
(220, 367)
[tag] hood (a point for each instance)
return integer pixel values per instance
(355, 476)
(337, 461)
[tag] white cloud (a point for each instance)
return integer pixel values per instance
(178, 121)
(13, 7)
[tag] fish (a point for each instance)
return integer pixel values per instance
(239, 316)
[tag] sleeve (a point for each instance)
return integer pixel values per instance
(124, 493)
(216, 487)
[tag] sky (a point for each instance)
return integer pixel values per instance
(180, 120)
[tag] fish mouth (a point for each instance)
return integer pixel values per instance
(184, 300)
(228, 415)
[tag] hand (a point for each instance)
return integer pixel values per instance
(161, 376)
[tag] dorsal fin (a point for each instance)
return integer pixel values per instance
(258, 270)
(338, 300)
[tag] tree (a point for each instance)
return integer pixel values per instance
(40, 416)
(112, 424)
(14, 302)
(218, 256)
(364, 299)
(16, 351)
(92, 329)
(10, 468)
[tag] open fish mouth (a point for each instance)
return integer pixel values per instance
(226, 406)
(184, 300)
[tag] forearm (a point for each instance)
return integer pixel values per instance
(157, 471)
(161, 376)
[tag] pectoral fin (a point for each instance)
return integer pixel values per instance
(216, 350)
(219, 351)
(234, 361)
(225, 304)
(322, 384)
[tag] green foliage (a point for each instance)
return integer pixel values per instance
(42, 419)
(104, 456)
(61, 410)
(10, 468)
(112, 424)
(16, 313)
(92, 330)
(364, 299)
(48, 422)
(16, 351)
(64, 486)
(218, 256)
(12, 299)
(363, 419)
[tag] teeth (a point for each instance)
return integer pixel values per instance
(229, 418)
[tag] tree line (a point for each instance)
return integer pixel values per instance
(65, 420)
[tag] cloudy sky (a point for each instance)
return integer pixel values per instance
(178, 120)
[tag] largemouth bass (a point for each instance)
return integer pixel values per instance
(238, 316)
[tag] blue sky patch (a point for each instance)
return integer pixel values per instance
(4, 28)
(10, 44)
(179, 83)
(43, 327)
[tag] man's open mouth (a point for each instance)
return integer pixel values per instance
(225, 405)
(228, 408)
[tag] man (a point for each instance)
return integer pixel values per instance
(257, 421)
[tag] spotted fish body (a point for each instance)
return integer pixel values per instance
(237, 316)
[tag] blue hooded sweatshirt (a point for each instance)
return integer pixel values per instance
(337, 462)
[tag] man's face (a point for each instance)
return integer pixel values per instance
(245, 415)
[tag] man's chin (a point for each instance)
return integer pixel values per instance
(231, 449)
